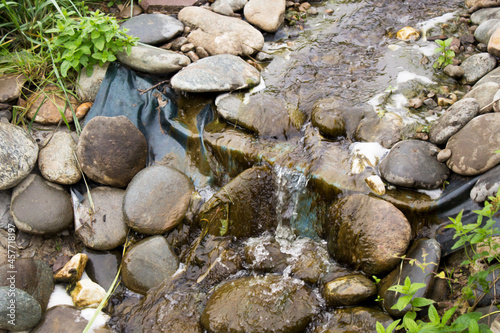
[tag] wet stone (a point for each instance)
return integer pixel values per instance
(153, 29)
(348, 320)
(267, 15)
(487, 185)
(111, 150)
(247, 204)
(413, 163)
(57, 160)
(427, 252)
(385, 130)
(27, 311)
(473, 147)
(477, 66)
(157, 200)
(216, 74)
(485, 30)
(61, 319)
(349, 290)
(104, 228)
(18, 155)
(102, 266)
(87, 294)
(260, 304)
(40, 207)
(367, 233)
(73, 270)
(484, 95)
(219, 34)
(153, 60)
(329, 123)
(148, 263)
(455, 118)
(32, 276)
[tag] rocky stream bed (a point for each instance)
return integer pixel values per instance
(258, 172)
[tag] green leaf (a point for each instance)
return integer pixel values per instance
(410, 324)
(111, 57)
(402, 303)
(392, 326)
(95, 34)
(448, 42)
(99, 43)
(380, 328)
(421, 301)
(64, 68)
(473, 327)
(433, 315)
(415, 287)
(448, 314)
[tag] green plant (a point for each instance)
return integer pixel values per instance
(446, 55)
(86, 41)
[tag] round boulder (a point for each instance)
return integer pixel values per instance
(349, 290)
(157, 199)
(473, 147)
(105, 228)
(19, 311)
(148, 263)
(260, 304)
(40, 207)
(57, 161)
(111, 150)
(367, 233)
(18, 154)
(413, 163)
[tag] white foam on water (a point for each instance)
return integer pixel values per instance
(426, 25)
(433, 194)
(427, 50)
(366, 154)
(406, 76)
(99, 322)
(256, 89)
(59, 297)
(393, 47)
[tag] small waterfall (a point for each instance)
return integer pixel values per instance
(290, 185)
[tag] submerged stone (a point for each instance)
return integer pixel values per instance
(385, 130)
(367, 233)
(349, 320)
(216, 74)
(260, 304)
(349, 290)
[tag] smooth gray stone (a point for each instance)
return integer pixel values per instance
(484, 95)
(413, 163)
(153, 29)
(10, 87)
(152, 60)
(216, 74)
(485, 30)
(88, 86)
(450, 122)
(487, 185)
(477, 66)
(485, 14)
(18, 155)
(5, 217)
(27, 311)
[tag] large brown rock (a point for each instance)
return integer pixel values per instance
(111, 150)
(473, 147)
(46, 106)
(219, 34)
(368, 234)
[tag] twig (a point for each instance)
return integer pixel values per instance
(143, 91)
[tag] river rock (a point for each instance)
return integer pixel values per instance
(111, 150)
(10, 87)
(18, 155)
(267, 15)
(264, 114)
(228, 7)
(349, 290)
(40, 207)
(427, 253)
(26, 311)
(413, 163)
(153, 29)
(484, 31)
(5, 217)
(57, 160)
(44, 106)
(455, 118)
(157, 199)
(328, 122)
(166, 6)
(219, 34)
(148, 263)
(73, 270)
(484, 95)
(87, 294)
(260, 304)
(385, 130)
(477, 66)
(476, 4)
(61, 319)
(102, 266)
(32, 276)
(349, 320)
(473, 147)
(105, 227)
(153, 60)
(453, 71)
(494, 43)
(367, 233)
(485, 14)
(247, 204)
(88, 86)
(487, 185)
(216, 74)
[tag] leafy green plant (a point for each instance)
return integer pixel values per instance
(86, 41)
(446, 55)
